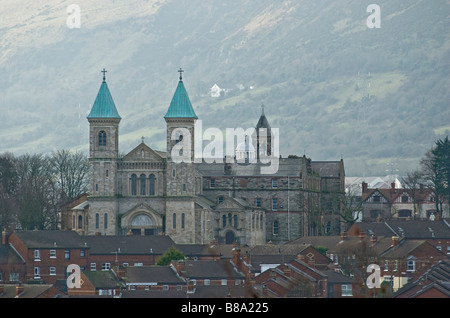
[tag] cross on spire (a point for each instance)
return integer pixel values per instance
(104, 72)
(262, 109)
(181, 71)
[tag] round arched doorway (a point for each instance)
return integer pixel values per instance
(142, 224)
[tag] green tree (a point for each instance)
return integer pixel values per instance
(172, 254)
(441, 159)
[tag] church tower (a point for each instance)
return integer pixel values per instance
(180, 119)
(103, 143)
(262, 137)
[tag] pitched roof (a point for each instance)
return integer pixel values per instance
(50, 239)
(219, 269)
(181, 106)
(151, 274)
(104, 106)
(127, 244)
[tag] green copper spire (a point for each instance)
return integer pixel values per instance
(104, 106)
(181, 106)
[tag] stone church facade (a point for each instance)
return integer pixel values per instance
(147, 192)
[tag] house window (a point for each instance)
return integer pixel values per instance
(151, 184)
(106, 266)
(411, 266)
(223, 282)
(274, 183)
(404, 199)
(13, 277)
(386, 265)
(67, 254)
(133, 184)
(376, 198)
(395, 265)
(219, 199)
(274, 204)
(52, 253)
(184, 187)
(212, 183)
(258, 202)
(275, 228)
(102, 138)
(93, 266)
(82, 253)
(207, 282)
(165, 287)
(346, 290)
(52, 271)
(37, 272)
(404, 213)
(37, 255)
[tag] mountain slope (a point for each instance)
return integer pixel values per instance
(335, 88)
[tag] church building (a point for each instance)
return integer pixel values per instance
(147, 192)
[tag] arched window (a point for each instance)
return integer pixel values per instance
(97, 220)
(224, 220)
(102, 138)
(275, 228)
(143, 189)
(235, 221)
(80, 222)
(105, 220)
(182, 220)
(229, 219)
(133, 184)
(152, 184)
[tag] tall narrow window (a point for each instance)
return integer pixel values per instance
(105, 221)
(182, 220)
(275, 228)
(152, 184)
(80, 222)
(235, 221)
(274, 204)
(97, 220)
(143, 189)
(224, 220)
(229, 219)
(174, 220)
(133, 184)
(102, 138)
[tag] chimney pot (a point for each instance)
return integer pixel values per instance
(395, 240)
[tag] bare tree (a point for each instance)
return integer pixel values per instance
(411, 183)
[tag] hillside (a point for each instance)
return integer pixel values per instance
(378, 98)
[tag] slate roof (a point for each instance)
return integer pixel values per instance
(102, 279)
(29, 290)
(50, 239)
(412, 229)
(127, 244)
(104, 106)
(219, 269)
(161, 275)
(180, 106)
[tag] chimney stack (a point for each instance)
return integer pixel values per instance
(395, 240)
(19, 290)
(393, 187)
(364, 187)
(4, 240)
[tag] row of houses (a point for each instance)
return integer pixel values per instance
(410, 254)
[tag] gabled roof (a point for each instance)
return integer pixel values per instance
(149, 154)
(181, 106)
(219, 269)
(50, 239)
(104, 106)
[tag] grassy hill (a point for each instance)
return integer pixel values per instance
(376, 97)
